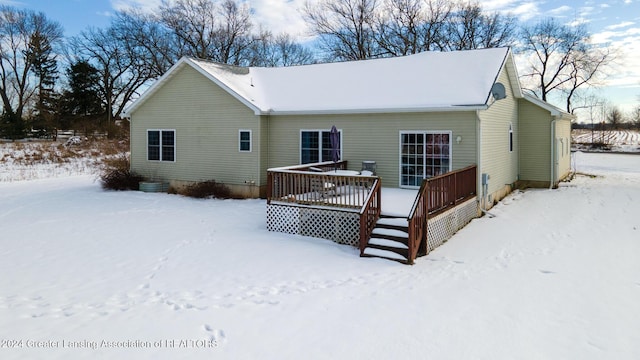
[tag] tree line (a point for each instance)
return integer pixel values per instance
(105, 68)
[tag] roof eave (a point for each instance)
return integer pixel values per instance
(556, 112)
(452, 108)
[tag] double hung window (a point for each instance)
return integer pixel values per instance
(315, 146)
(161, 145)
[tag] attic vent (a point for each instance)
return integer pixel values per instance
(498, 91)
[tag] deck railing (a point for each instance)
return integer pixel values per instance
(369, 214)
(436, 195)
(318, 185)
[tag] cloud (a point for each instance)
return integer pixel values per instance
(105, 13)
(620, 25)
(497, 5)
(560, 10)
(145, 5)
(523, 9)
(280, 16)
(276, 16)
(626, 71)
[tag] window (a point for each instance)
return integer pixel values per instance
(423, 155)
(161, 145)
(244, 140)
(510, 138)
(315, 146)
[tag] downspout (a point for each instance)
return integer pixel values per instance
(553, 146)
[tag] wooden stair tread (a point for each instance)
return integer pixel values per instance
(390, 232)
(384, 254)
(388, 243)
(399, 222)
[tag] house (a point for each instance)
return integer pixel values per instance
(416, 117)
(204, 120)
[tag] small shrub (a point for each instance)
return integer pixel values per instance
(207, 189)
(600, 145)
(117, 176)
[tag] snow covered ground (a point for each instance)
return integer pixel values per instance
(46, 159)
(87, 273)
(618, 140)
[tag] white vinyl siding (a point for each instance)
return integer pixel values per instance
(535, 142)
(498, 160)
(207, 121)
(373, 137)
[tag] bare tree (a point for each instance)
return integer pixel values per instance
(193, 23)
(469, 27)
(145, 37)
(208, 30)
(561, 58)
(233, 38)
(346, 28)
(122, 72)
(586, 70)
(17, 30)
(280, 50)
(412, 26)
(635, 117)
(615, 118)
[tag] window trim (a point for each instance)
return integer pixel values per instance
(319, 131)
(160, 138)
(240, 131)
(424, 132)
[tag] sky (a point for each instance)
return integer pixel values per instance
(615, 22)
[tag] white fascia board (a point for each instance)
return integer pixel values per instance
(378, 111)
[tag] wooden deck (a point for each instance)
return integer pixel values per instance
(330, 186)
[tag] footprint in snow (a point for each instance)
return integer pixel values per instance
(215, 335)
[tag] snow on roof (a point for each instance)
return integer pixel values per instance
(422, 82)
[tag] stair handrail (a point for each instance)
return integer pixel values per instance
(369, 214)
(417, 221)
(431, 200)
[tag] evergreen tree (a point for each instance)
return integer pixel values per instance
(11, 126)
(45, 68)
(81, 101)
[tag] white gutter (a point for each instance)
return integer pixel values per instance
(374, 110)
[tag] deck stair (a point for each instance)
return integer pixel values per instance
(389, 240)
